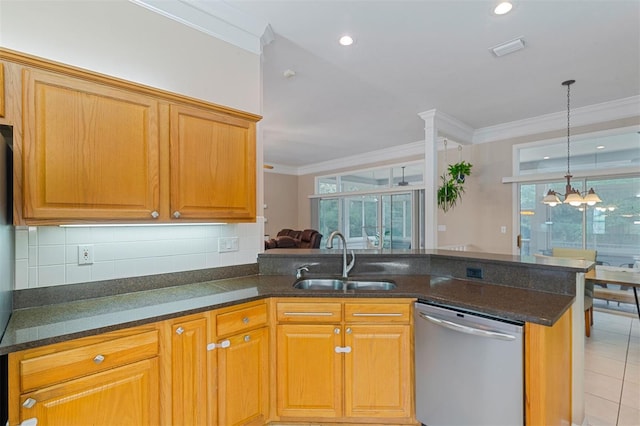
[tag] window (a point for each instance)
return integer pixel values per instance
(372, 221)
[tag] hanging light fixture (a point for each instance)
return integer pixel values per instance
(572, 196)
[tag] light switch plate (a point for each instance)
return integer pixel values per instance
(227, 244)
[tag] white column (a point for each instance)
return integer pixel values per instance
(430, 179)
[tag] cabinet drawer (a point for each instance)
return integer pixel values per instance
(64, 365)
(309, 312)
(377, 312)
(241, 319)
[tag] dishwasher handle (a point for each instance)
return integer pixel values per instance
(466, 329)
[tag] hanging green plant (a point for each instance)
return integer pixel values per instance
(452, 184)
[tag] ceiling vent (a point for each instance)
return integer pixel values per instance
(508, 47)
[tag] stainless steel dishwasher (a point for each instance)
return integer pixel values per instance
(469, 368)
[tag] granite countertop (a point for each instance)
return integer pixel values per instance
(42, 325)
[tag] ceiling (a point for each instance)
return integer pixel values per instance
(414, 56)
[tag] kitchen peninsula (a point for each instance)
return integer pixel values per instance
(148, 319)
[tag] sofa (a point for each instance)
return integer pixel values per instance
(289, 238)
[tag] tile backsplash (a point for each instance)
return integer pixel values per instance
(48, 255)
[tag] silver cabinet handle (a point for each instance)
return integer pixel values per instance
(179, 330)
(308, 314)
(390, 314)
(155, 214)
(348, 330)
(336, 330)
(343, 349)
(245, 320)
(98, 359)
(465, 329)
(29, 402)
(247, 338)
(176, 214)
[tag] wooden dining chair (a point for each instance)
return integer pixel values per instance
(580, 254)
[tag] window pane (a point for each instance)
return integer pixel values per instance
(603, 152)
(613, 226)
(327, 185)
(365, 181)
(543, 227)
(328, 217)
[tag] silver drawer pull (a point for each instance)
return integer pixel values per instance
(155, 214)
(29, 402)
(391, 314)
(348, 330)
(98, 359)
(176, 214)
(247, 338)
(179, 330)
(245, 320)
(308, 314)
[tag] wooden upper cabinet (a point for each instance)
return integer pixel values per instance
(1, 89)
(213, 165)
(90, 151)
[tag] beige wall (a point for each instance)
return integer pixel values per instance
(487, 203)
(281, 199)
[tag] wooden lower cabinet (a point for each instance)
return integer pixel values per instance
(378, 374)
(219, 379)
(189, 371)
(108, 379)
(309, 371)
(348, 365)
(243, 379)
(125, 395)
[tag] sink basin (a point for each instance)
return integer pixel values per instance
(337, 284)
(370, 285)
(319, 284)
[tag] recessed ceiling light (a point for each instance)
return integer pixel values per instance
(600, 147)
(503, 8)
(546, 157)
(346, 40)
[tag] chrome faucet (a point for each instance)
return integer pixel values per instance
(345, 268)
(300, 269)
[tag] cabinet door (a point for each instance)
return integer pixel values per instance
(378, 373)
(189, 372)
(213, 165)
(309, 370)
(90, 151)
(243, 379)
(125, 395)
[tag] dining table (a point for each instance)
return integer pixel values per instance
(627, 277)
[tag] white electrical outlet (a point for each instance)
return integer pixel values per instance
(227, 244)
(85, 254)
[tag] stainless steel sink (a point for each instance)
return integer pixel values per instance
(319, 284)
(337, 284)
(370, 285)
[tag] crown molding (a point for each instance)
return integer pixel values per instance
(592, 114)
(449, 126)
(217, 19)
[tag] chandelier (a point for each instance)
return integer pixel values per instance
(572, 196)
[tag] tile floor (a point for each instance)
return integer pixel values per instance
(612, 370)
